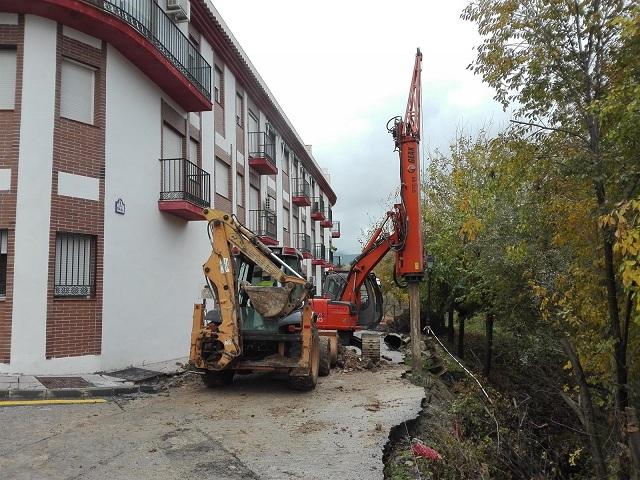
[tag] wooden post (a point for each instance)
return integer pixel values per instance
(461, 319)
(416, 336)
(450, 332)
(489, 344)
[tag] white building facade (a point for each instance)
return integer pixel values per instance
(120, 121)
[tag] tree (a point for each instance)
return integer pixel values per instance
(554, 59)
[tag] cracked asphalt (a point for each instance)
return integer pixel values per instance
(254, 429)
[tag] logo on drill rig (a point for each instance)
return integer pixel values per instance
(411, 158)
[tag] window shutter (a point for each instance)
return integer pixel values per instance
(77, 92)
(240, 190)
(171, 143)
(7, 79)
(254, 198)
(3, 242)
(222, 178)
(193, 151)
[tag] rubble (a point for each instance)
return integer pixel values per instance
(350, 360)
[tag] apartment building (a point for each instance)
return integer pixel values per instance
(120, 121)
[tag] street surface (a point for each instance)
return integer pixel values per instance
(255, 429)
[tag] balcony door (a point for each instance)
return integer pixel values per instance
(254, 206)
(253, 123)
(172, 149)
(172, 143)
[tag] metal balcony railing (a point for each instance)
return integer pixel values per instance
(155, 25)
(319, 252)
(301, 188)
(302, 242)
(335, 229)
(263, 223)
(262, 146)
(317, 207)
(182, 180)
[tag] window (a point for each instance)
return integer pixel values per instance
(3, 262)
(222, 178)
(285, 161)
(285, 217)
(217, 85)
(75, 265)
(239, 110)
(77, 86)
(240, 190)
(7, 79)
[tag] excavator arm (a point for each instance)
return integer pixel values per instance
(228, 239)
(405, 239)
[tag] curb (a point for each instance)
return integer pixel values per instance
(73, 393)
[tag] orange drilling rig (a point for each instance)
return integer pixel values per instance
(345, 289)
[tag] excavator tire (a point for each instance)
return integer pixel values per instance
(212, 378)
(324, 368)
(371, 346)
(309, 381)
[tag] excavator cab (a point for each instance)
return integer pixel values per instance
(251, 275)
(370, 310)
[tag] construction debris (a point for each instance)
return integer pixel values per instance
(350, 360)
(419, 449)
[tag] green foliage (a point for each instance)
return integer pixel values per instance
(540, 224)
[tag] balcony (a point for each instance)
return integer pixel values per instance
(301, 193)
(141, 32)
(317, 209)
(302, 242)
(156, 26)
(335, 229)
(318, 254)
(264, 223)
(185, 189)
(330, 263)
(262, 153)
(326, 223)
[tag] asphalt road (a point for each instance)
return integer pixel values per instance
(255, 429)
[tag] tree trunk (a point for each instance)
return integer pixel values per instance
(450, 332)
(620, 350)
(461, 319)
(585, 410)
(488, 353)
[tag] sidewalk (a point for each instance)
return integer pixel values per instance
(142, 379)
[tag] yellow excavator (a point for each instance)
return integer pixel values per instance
(263, 320)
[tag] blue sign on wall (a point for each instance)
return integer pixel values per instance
(120, 207)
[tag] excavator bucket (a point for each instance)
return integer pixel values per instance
(271, 301)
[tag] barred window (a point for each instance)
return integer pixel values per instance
(3, 262)
(75, 265)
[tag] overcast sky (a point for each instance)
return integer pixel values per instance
(341, 69)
